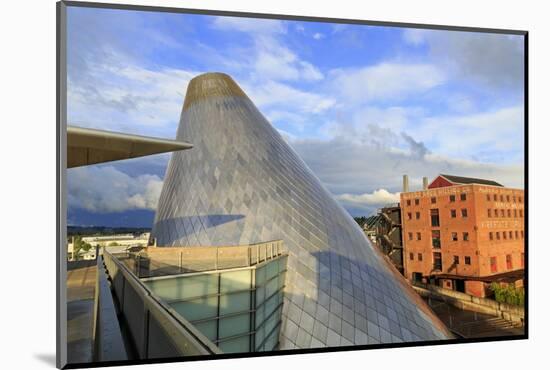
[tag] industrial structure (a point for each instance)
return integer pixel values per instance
(463, 233)
(243, 184)
(388, 234)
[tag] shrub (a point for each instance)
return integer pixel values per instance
(508, 294)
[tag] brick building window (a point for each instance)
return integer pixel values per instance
(465, 236)
(521, 234)
(452, 198)
(453, 213)
(411, 256)
(454, 236)
(418, 215)
(410, 236)
(408, 202)
(464, 212)
(510, 236)
(416, 201)
(409, 216)
(501, 213)
(467, 260)
(502, 198)
(456, 260)
(509, 213)
(434, 214)
(489, 213)
(517, 235)
(462, 196)
(508, 198)
(420, 256)
(488, 198)
(520, 200)
(490, 235)
(494, 197)
(494, 264)
(504, 235)
(437, 261)
(508, 261)
(514, 198)
(498, 235)
(434, 199)
(418, 236)
(515, 213)
(521, 213)
(436, 239)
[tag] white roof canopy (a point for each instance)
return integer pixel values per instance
(87, 146)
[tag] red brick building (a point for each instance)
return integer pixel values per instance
(463, 233)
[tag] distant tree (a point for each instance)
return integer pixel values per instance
(113, 244)
(79, 245)
(360, 220)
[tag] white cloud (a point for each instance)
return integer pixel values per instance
(414, 36)
(318, 36)
(377, 198)
(386, 81)
(127, 97)
(347, 167)
(491, 136)
(106, 189)
(273, 94)
(249, 25)
(492, 59)
(274, 61)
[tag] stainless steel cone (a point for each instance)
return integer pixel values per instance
(241, 184)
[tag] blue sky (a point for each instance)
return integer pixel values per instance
(362, 105)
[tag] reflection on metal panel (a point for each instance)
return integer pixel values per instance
(242, 183)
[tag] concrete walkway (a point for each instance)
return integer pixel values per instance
(81, 280)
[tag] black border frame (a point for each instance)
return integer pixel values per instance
(61, 180)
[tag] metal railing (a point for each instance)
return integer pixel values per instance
(155, 329)
(161, 261)
(108, 343)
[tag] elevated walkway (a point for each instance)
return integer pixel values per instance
(81, 281)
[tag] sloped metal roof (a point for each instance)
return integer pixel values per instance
(469, 180)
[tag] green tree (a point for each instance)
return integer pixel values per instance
(79, 245)
(508, 294)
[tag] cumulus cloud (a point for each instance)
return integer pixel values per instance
(418, 149)
(356, 168)
(377, 198)
(106, 189)
(318, 36)
(386, 81)
(493, 59)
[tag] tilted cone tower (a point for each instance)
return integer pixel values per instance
(242, 184)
